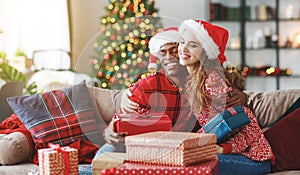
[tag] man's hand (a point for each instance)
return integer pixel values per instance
(235, 98)
(111, 136)
(128, 106)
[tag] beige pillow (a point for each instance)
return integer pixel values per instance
(107, 101)
(14, 148)
(270, 105)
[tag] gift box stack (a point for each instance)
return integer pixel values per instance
(58, 161)
(171, 148)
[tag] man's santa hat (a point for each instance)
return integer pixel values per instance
(168, 35)
(152, 62)
(213, 38)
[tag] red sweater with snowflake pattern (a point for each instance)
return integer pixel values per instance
(250, 140)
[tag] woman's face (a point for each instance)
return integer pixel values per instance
(189, 49)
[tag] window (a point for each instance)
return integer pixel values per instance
(33, 25)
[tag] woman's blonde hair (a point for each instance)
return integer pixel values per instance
(197, 96)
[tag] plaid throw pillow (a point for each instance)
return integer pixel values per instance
(58, 116)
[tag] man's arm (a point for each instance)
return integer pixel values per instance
(235, 98)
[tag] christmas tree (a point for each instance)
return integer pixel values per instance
(122, 46)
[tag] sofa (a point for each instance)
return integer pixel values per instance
(268, 107)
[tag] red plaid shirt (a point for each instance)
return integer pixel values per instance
(157, 94)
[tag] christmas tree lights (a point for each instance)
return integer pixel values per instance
(122, 46)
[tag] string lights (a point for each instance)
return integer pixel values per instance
(265, 71)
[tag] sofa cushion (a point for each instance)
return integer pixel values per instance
(106, 101)
(284, 139)
(269, 106)
(58, 116)
(14, 148)
(292, 108)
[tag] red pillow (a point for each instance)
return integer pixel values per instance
(284, 139)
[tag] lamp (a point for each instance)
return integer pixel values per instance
(296, 40)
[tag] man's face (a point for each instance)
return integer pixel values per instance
(170, 61)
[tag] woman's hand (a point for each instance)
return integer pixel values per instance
(220, 149)
(111, 136)
(128, 106)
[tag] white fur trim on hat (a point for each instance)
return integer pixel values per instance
(226, 64)
(162, 38)
(152, 66)
(208, 44)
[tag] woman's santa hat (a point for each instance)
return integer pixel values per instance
(213, 38)
(168, 35)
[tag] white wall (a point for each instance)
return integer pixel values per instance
(85, 23)
(174, 11)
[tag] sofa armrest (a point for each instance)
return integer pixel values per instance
(269, 106)
(14, 148)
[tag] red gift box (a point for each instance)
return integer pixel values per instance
(137, 124)
(206, 168)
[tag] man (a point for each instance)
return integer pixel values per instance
(167, 86)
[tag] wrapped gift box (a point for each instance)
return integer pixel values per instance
(227, 122)
(137, 124)
(107, 160)
(204, 168)
(171, 148)
(58, 161)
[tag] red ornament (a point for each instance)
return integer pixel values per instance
(130, 7)
(276, 72)
(146, 12)
(100, 74)
(141, 64)
(112, 37)
(112, 79)
(122, 15)
(137, 20)
(107, 56)
(102, 30)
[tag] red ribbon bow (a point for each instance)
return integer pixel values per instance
(66, 156)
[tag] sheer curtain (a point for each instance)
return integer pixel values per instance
(33, 24)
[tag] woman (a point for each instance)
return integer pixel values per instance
(201, 49)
